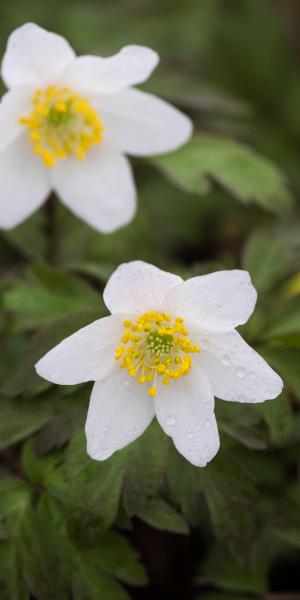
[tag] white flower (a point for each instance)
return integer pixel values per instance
(66, 123)
(177, 347)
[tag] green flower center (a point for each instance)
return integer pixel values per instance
(159, 343)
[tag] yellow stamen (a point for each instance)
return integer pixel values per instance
(161, 348)
(62, 124)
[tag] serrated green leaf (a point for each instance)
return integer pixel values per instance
(55, 550)
(220, 569)
(229, 491)
(36, 468)
(270, 256)
(186, 488)
(161, 515)
(48, 294)
(90, 583)
(141, 483)
(117, 557)
(239, 169)
(23, 379)
(93, 497)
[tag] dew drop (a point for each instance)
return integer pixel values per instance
(190, 435)
(126, 382)
(171, 421)
(240, 372)
(198, 427)
(225, 360)
(207, 423)
(206, 451)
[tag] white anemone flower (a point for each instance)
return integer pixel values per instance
(67, 123)
(168, 347)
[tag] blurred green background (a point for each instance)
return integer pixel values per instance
(145, 524)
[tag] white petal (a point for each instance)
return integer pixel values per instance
(34, 55)
(24, 183)
(100, 189)
(14, 104)
(93, 74)
(87, 355)
(216, 303)
(119, 412)
(235, 371)
(185, 411)
(142, 124)
(138, 287)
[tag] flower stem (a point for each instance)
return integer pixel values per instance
(51, 230)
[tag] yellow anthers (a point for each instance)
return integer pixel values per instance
(152, 391)
(155, 345)
(62, 124)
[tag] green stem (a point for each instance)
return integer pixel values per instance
(50, 229)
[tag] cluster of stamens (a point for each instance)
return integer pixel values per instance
(62, 124)
(155, 345)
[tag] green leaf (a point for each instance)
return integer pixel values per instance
(269, 256)
(23, 379)
(12, 582)
(241, 423)
(286, 362)
(93, 494)
(231, 499)
(161, 515)
(237, 168)
(90, 583)
(29, 238)
(14, 496)
(278, 415)
(36, 468)
(55, 550)
(185, 487)
(20, 418)
(140, 483)
(285, 322)
(222, 570)
(48, 294)
(63, 426)
(117, 557)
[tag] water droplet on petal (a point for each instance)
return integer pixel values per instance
(198, 427)
(190, 435)
(240, 372)
(126, 382)
(171, 421)
(206, 451)
(225, 360)
(241, 398)
(207, 423)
